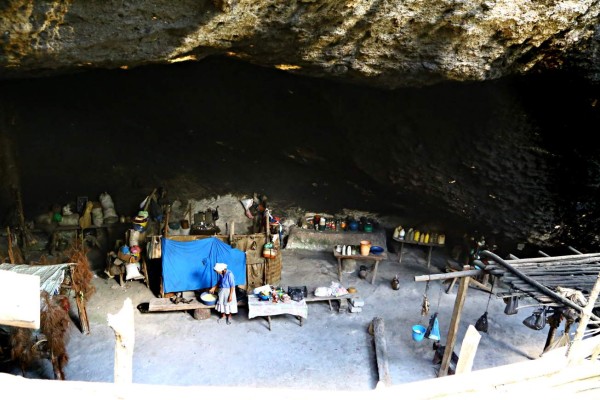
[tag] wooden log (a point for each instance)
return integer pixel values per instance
(468, 350)
(453, 329)
(381, 354)
(123, 326)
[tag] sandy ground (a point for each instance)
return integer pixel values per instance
(332, 350)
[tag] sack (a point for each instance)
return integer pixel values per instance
(537, 320)
(133, 271)
(482, 323)
(511, 305)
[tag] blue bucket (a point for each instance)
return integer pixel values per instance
(418, 332)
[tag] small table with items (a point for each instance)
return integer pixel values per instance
(430, 245)
(370, 257)
(266, 308)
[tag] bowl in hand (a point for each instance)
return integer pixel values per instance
(208, 298)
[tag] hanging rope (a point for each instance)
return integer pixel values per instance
(490, 297)
(482, 323)
(425, 303)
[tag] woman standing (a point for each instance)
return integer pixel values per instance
(227, 300)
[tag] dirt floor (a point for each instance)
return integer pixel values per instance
(331, 351)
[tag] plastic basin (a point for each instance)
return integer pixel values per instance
(418, 332)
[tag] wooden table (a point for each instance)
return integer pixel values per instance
(429, 245)
(360, 257)
(259, 308)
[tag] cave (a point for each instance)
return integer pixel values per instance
(469, 120)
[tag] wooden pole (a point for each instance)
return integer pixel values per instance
(166, 229)
(448, 275)
(149, 199)
(453, 329)
(122, 324)
(11, 256)
(381, 353)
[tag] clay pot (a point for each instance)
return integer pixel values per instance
(365, 247)
(362, 272)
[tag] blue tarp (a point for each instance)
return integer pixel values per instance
(189, 265)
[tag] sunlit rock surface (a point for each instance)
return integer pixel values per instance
(375, 42)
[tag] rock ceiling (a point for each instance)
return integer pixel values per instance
(383, 43)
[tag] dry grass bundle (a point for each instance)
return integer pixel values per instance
(82, 274)
(26, 347)
(54, 324)
(22, 348)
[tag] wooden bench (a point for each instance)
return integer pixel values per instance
(370, 257)
(343, 299)
(200, 310)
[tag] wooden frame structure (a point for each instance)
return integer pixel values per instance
(537, 278)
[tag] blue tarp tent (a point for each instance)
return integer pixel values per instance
(189, 265)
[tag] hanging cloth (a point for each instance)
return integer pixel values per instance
(433, 330)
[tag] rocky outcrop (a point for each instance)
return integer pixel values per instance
(382, 43)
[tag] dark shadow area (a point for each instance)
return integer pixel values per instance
(459, 157)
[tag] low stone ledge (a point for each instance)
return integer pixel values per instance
(309, 239)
